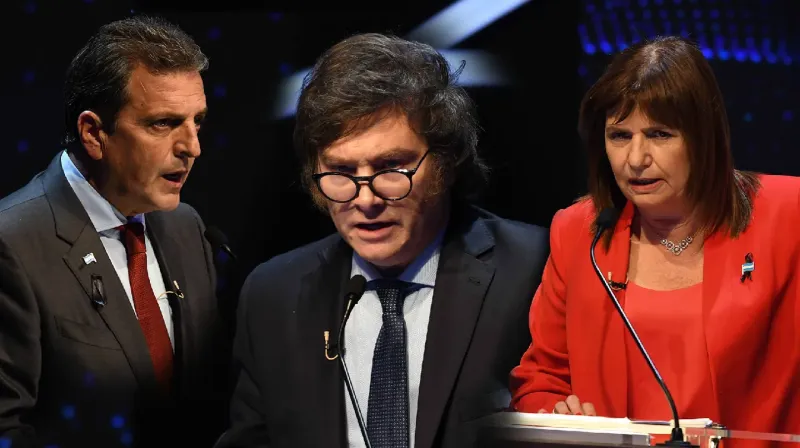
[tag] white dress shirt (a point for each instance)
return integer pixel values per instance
(365, 323)
(105, 219)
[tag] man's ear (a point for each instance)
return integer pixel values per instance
(91, 134)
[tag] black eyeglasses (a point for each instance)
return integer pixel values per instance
(391, 185)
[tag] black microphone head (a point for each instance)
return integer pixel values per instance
(607, 218)
(355, 288)
(215, 237)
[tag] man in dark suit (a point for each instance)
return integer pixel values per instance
(388, 144)
(107, 287)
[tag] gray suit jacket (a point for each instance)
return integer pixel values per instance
(75, 373)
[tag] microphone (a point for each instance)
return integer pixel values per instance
(354, 290)
(98, 292)
(606, 220)
(219, 241)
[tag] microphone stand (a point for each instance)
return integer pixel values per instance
(676, 438)
(347, 381)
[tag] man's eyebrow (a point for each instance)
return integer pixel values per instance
(388, 154)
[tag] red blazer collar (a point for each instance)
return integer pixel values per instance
(614, 262)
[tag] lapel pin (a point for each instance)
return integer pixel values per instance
(89, 258)
(748, 267)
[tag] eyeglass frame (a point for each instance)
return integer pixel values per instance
(358, 180)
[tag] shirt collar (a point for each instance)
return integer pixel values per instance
(421, 272)
(103, 215)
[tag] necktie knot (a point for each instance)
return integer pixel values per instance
(391, 294)
(133, 236)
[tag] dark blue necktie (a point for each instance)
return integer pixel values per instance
(387, 412)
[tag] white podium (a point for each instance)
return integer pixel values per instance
(517, 430)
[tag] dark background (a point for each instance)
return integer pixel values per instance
(246, 181)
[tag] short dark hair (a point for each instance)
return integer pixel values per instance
(671, 82)
(360, 79)
(98, 75)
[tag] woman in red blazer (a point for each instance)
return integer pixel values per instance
(727, 344)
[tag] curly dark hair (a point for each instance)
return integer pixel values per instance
(363, 78)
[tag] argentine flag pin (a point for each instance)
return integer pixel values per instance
(89, 258)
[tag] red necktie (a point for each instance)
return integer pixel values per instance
(145, 303)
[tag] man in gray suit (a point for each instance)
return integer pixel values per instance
(107, 286)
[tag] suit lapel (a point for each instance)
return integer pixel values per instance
(610, 328)
(117, 311)
(167, 251)
(462, 281)
(169, 260)
(73, 226)
(320, 308)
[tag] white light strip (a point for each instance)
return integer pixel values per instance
(447, 28)
(481, 70)
(462, 20)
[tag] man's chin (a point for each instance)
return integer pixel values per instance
(379, 255)
(167, 203)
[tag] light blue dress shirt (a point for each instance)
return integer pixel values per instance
(105, 219)
(365, 323)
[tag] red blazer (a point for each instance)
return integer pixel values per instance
(752, 328)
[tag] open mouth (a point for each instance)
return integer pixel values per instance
(643, 182)
(175, 177)
(373, 226)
